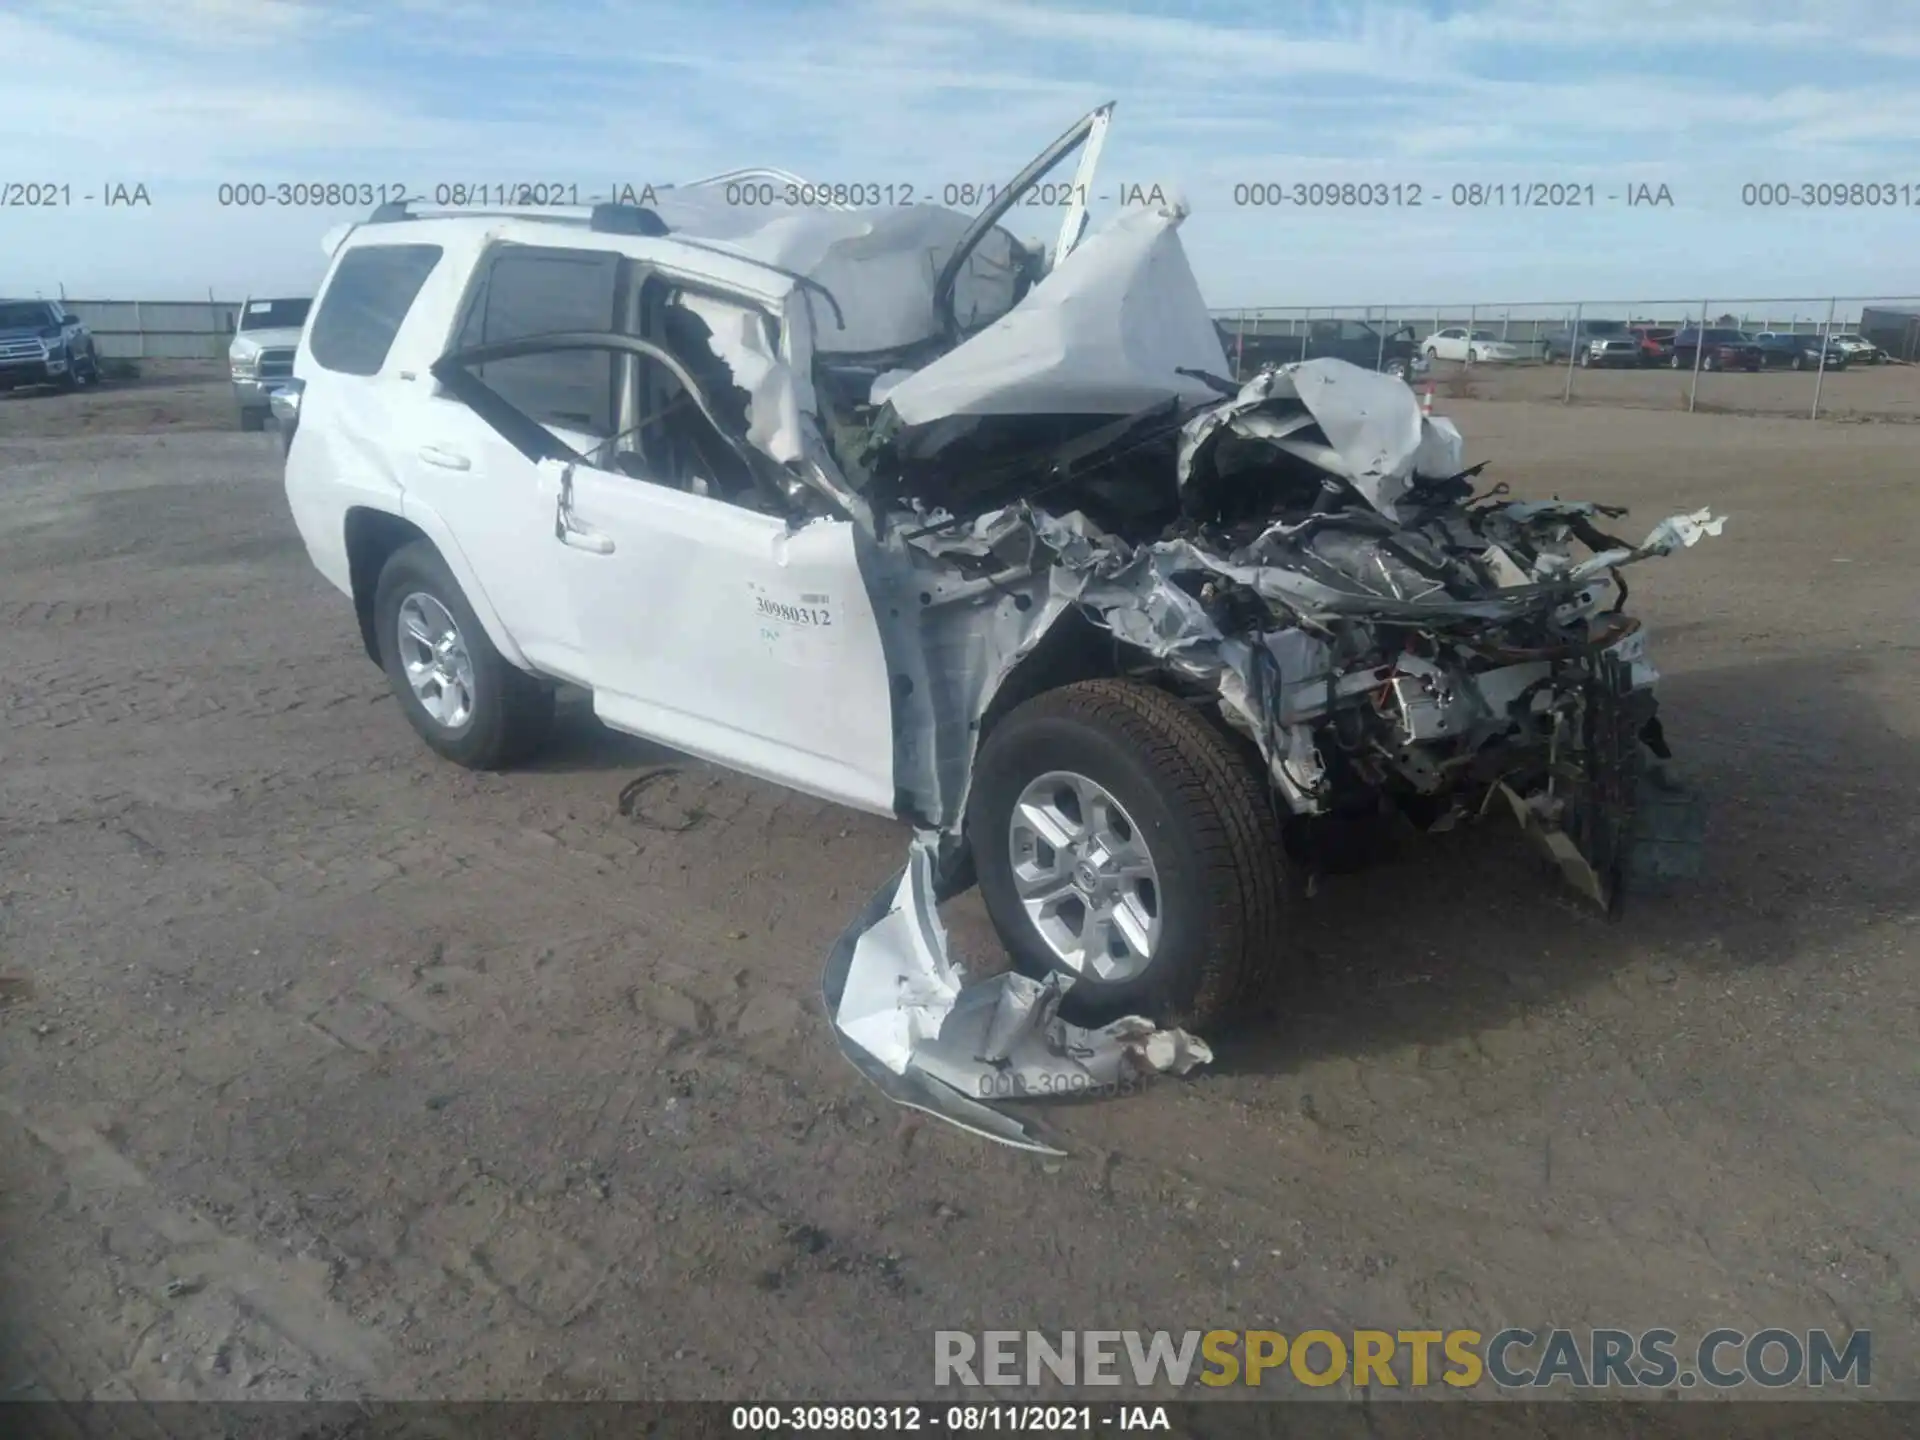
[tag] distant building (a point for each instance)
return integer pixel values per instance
(1894, 328)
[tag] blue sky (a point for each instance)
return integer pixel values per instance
(1700, 95)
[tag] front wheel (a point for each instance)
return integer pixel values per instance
(458, 692)
(1122, 840)
(1397, 369)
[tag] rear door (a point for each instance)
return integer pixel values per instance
(477, 481)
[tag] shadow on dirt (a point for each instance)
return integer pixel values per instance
(581, 743)
(1466, 931)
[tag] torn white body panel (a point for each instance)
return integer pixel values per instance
(880, 265)
(1363, 427)
(907, 1018)
(1107, 333)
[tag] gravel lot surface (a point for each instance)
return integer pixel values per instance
(328, 1070)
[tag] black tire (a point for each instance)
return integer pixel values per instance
(1586, 360)
(1673, 361)
(252, 418)
(512, 712)
(1799, 362)
(90, 371)
(1205, 815)
(71, 380)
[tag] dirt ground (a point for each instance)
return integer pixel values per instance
(330, 1070)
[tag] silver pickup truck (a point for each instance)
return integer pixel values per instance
(265, 335)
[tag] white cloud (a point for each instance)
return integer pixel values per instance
(1701, 94)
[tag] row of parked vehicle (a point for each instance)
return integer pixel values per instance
(1622, 343)
(44, 343)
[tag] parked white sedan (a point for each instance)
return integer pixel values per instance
(1478, 346)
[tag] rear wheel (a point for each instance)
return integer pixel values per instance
(458, 692)
(1121, 839)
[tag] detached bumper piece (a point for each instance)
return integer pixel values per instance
(907, 1019)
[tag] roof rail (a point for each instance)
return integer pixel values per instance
(604, 218)
(768, 172)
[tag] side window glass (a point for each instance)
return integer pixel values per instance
(536, 291)
(372, 289)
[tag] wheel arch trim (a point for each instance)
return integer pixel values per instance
(373, 534)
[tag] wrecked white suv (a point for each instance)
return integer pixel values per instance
(888, 507)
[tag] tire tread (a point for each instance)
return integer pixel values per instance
(1232, 817)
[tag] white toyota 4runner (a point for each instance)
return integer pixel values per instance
(891, 508)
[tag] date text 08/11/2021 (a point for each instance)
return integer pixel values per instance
(1465, 195)
(951, 1419)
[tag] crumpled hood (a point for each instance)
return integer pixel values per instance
(1105, 333)
(1362, 427)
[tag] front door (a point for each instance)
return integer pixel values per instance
(722, 632)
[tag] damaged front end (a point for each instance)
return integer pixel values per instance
(1309, 561)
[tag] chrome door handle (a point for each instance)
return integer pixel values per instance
(445, 459)
(592, 541)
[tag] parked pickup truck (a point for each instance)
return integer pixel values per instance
(1592, 342)
(1723, 349)
(260, 356)
(1357, 342)
(44, 343)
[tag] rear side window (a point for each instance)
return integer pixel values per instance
(371, 292)
(536, 290)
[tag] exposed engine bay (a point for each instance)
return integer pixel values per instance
(1310, 556)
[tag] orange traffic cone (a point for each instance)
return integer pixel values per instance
(1426, 399)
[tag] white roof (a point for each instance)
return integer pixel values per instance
(879, 264)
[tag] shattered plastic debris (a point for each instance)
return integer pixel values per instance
(907, 1021)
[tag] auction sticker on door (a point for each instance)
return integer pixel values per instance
(797, 627)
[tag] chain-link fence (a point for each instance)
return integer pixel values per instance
(1845, 357)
